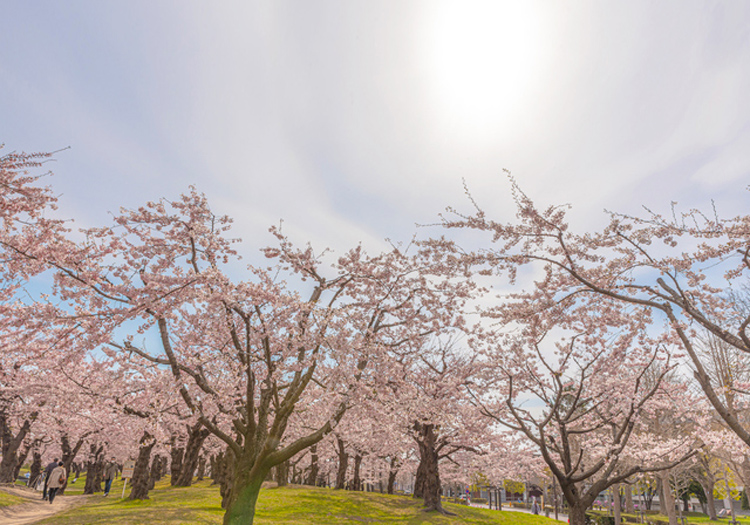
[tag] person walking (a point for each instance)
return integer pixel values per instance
(110, 473)
(58, 477)
(47, 472)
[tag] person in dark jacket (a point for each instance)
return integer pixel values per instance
(110, 473)
(47, 471)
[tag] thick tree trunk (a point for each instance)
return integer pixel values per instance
(175, 466)
(68, 456)
(708, 490)
(419, 481)
(94, 466)
(617, 503)
(155, 472)
(428, 465)
(343, 463)
(140, 480)
(356, 479)
(629, 506)
(214, 469)
(577, 515)
(224, 472)
(392, 473)
(312, 476)
(36, 465)
(10, 446)
(196, 436)
(201, 469)
(21, 459)
(666, 498)
(243, 498)
(282, 474)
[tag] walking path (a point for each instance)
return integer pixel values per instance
(34, 509)
(507, 508)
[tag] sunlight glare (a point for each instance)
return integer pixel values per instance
(482, 59)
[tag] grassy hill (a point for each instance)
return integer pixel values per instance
(295, 505)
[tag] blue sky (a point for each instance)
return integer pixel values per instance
(354, 120)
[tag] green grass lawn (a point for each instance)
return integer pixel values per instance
(9, 499)
(201, 504)
(694, 518)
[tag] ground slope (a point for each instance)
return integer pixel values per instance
(200, 504)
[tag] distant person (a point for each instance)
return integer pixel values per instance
(535, 506)
(57, 480)
(110, 473)
(47, 471)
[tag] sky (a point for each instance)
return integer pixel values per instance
(354, 121)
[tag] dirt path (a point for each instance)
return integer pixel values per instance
(34, 509)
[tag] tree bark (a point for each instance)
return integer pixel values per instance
(426, 438)
(223, 474)
(615, 490)
(577, 515)
(282, 474)
(196, 436)
(343, 463)
(666, 498)
(629, 506)
(10, 446)
(36, 464)
(156, 471)
(312, 476)
(201, 468)
(392, 473)
(68, 456)
(19, 462)
(175, 466)
(94, 466)
(140, 480)
(356, 479)
(241, 507)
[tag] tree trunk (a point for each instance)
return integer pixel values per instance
(356, 479)
(282, 474)
(10, 446)
(615, 490)
(629, 507)
(68, 456)
(175, 466)
(428, 465)
(196, 436)
(666, 498)
(155, 472)
(419, 481)
(343, 463)
(708, 490)
(36, 465)
(577, 515)
(21, 458)
(201, 468)
(224, 472)
(243, 498)
(312, 476)
(140, 480)
(392, 473)
(94, 466)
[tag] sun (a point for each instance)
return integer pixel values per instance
(481, 59)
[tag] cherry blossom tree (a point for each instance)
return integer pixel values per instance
(26, 232)
(242, 354)
(684, 270)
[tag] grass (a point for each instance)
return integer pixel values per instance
(693, 518)
(201, 504)
(7, 500)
